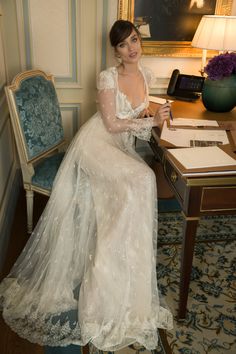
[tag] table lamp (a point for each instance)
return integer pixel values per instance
(215, 32)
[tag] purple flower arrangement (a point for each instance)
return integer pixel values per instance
(221, 66)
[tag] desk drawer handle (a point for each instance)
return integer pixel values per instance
(173, 177)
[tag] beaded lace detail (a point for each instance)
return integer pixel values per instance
(117, 112)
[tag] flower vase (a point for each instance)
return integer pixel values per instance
(219, 95)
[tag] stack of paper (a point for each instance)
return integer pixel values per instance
(158, 100)
(181, 137)
(192, 122)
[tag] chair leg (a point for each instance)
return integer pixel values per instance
(30, 204)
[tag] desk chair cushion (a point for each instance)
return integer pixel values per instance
(40, 115)
(46, 170)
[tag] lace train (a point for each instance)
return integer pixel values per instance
(63, 328)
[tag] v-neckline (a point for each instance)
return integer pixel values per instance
(126, 97)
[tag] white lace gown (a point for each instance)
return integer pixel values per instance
(88, 271)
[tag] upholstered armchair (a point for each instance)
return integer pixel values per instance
(37, 125)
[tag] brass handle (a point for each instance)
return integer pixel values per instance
(173, 177)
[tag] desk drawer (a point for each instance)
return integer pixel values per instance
(176, 181)
(218, 198)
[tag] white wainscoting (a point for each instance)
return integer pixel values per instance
(49, 38)
(9, 179)
(62, 37)
(6, 157)
(2, 65)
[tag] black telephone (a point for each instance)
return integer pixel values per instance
(185, 87)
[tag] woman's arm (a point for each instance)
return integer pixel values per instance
(107, 107)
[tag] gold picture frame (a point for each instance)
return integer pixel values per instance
(168, 48)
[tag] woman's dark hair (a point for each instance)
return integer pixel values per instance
(120, 30)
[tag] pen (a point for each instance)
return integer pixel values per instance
(171, 115)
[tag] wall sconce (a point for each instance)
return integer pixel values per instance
(215, 32)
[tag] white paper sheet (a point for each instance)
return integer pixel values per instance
(211, 156)
(159, 100)
(182, 137)
(194, 122)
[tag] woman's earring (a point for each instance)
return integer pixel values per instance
(118, 57)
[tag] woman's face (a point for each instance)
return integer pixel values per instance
(129, 50)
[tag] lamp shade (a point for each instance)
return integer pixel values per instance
(216, 32)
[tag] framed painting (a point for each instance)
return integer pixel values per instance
(168, 26)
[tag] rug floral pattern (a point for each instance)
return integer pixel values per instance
(210, 325)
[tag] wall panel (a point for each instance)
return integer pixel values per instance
(9, 178)
(50, 37)
(2, 66)
(6, 157)
(71, 119)
(60, 37)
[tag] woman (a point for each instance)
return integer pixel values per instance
(87, 273)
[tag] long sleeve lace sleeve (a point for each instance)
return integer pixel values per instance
(107, 107)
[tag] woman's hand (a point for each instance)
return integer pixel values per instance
(162, 114)
(147, 112)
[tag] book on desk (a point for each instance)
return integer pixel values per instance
(202, 161)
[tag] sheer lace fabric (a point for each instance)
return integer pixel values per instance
(88, 271)
(123, 120)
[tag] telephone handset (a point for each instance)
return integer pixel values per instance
(185, 87)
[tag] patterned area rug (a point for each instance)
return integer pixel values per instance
(210, 228)
(210, 325)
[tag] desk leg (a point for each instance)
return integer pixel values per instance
(189, 233)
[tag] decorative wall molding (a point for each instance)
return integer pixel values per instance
(3, 78)
(49, 38)
(71, 118)
(2, 97)
(102, 17)
(7, 212)
(21, 31)
(99, 34)
(4, 114)
(6, 158)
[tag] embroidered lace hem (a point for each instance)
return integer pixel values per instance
(51, 331)
(63, 328)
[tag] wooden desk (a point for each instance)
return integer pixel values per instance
(197, 196)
